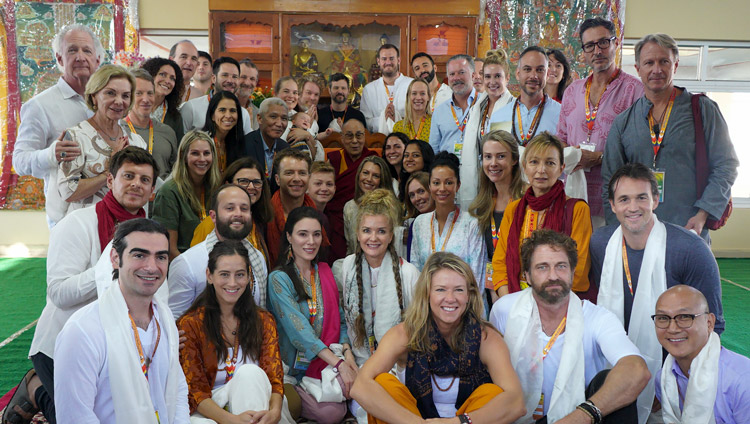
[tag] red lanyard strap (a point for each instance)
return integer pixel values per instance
(145, 361)
(450, 230)
(591, 114)
(656, 141)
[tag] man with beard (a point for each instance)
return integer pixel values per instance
(226, 78)
(203, 74)
(590, 105)
(639, 258)
(185, 55)
(40, 147)
(339, 111)
(248, 82)
(532, 113)
(292, 176)
(385, 98)
(561, 347)
(160, 138)
(424, 67)
(75, 246)
(230, 212)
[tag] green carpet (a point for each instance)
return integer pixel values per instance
(23, 288)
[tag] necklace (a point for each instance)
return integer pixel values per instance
(103, 133)
(440, 388)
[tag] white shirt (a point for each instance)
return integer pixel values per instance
(187, 276)
(43, 119)
(444, 93)
(73, 252)
(82, 386)
(194, 115)
(375, 100)
(604, 341)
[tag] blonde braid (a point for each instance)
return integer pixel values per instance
(397, 276)
(359, 323)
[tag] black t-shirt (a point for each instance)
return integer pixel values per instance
(326, 115)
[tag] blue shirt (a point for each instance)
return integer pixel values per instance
(547, 122)
(444, 133)
(732, 404)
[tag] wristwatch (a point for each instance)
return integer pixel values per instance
(336, 367)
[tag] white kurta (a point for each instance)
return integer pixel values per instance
(374, 100)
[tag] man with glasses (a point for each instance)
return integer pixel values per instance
(345, 161)
(633, 262)
(659, 131)
(230, 212)
(700, 381)
(590, 105)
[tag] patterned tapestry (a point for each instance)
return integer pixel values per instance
(551, 24)
(28, 67)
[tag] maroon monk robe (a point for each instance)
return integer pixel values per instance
(346, 170)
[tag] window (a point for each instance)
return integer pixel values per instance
(158, 42)
(722, 71)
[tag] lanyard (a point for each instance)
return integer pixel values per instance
(484, 119)
(495, 231)
(591, 114)
(553, 339)
(187, 95)
(388, 93)
(221, 153)
(343, 117)
(150, 133)
(203, 205)
(163, 111)
(312, 303)
(232, 363)
(462, 125)
(656, 141)
(525, 137)
(419, 131)
(432, 102)
(450, 230)
(626, 266)
(145, 361)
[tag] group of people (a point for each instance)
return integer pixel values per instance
(334, 285)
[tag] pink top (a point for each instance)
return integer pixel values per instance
(622, 92)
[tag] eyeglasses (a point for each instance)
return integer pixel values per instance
(351, 136)
(603, 44)
(682, 320)
(246, 182)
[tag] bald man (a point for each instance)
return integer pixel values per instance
(700, 382)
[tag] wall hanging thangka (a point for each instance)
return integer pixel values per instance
(27, 67)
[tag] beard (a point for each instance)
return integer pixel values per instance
(339, 98)
(226, 231)
(430, 76)
(551, 298)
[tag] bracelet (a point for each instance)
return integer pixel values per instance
(336, 367)
(598, 416)
(585, 412)
(464, 419)
(592, 410)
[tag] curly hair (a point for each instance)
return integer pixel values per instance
(174, 98)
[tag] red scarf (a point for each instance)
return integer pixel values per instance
(554, 201)
(275, 228)
(109, 213)
(331, 318)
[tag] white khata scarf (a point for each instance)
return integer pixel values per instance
(130, 390)
(700, 398)
(652, 282)
(522, 337)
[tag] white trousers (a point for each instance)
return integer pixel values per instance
(248, 390)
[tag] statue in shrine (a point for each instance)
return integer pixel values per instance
(346, 59)
(550, 37)
(304, 62)
(375, 72)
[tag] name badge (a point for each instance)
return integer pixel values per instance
(458, 147)
(660, 175)
(301, 363)
(372, 343)
(488, 277)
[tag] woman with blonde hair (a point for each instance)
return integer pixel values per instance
(82, 181)
(372, 174)
(499, 183)
(495, 74)
(416, 124)
(182, 201)
(443, 339)
(544, 205)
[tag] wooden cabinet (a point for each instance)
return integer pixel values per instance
(316, 38)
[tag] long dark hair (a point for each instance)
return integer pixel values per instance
(285, 261)
(250, 331)
(566, 79)
(428, 157)
(405, 140)
(234, 142)
(174, 98)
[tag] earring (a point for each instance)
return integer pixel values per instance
(290, 255)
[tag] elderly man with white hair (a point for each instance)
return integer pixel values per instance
(263, 143)
(39, 147)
